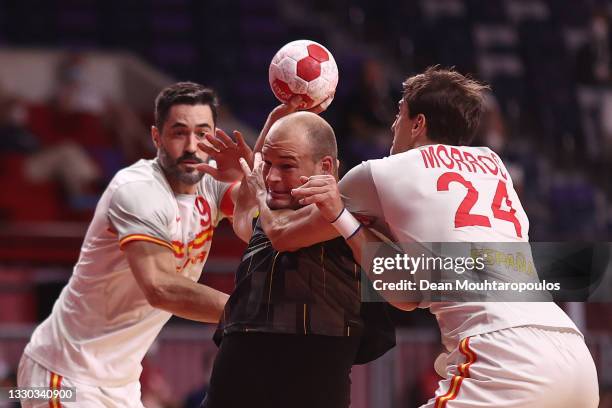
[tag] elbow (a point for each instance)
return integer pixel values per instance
(405, 306)
(281, 246)
(156, 296)
(274, 234)
(279, 242)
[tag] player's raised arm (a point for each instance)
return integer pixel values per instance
(285, 109)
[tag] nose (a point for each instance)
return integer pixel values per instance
(273, 176)
(192, 144)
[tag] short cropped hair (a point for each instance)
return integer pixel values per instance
(451, 103)
(184, 93)
(322, 141)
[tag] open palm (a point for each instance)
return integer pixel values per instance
(226, 153)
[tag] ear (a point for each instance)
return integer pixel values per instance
(327, 165)
(419, 126)
(155, 136)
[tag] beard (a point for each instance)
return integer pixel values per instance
(174, 172)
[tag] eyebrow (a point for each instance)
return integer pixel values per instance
(283, 157)
(182, 125)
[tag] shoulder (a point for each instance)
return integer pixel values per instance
(143, 173)
(213, 187)
(365, 172)
(141, 187)
(392, 162)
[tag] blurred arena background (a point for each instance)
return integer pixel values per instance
(77, 83)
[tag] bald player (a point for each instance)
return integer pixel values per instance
(292, 328)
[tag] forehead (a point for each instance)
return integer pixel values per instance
(283, 143)
(402, 106)
(190, 115)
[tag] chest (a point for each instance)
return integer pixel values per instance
(191, 232)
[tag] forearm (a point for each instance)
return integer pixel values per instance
(262, 135)
(187, 299)
(290, 230)
(358, 244)
(244, 209)
(271, 221)
(276, 114)
(154, 269)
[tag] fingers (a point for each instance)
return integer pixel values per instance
(215, 142)
(208, 149)
(225, 139)
(257, 162)
(244, 150)
(206, 168)
(317, 181)
(314, 199)
(323, 105)
(294, 102)
(309, 191)
(314, 183)
(240, 142)
(245, 167)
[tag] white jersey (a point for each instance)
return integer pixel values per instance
(441, 193)
(101, 325)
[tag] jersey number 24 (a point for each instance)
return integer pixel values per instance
(463, 216)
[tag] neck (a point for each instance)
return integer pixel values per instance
(178, 187)
(424, 141)
(181, 188)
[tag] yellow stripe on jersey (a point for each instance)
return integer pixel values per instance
(140, 237)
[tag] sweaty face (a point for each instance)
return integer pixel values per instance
(402, 130)
(177, 144)
(286, 157)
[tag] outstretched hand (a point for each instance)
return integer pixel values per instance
(323, 191)
(295, 104)
(226, 154)
(254, 178)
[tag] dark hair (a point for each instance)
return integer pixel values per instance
(183, 93)
(451, 103)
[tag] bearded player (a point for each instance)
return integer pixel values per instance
(516, 354)
(140, 262)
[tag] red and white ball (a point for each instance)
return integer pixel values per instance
(305, 68)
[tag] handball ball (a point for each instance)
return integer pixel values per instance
(305, 68)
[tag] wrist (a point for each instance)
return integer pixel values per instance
(346, 224)
(261, 196)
